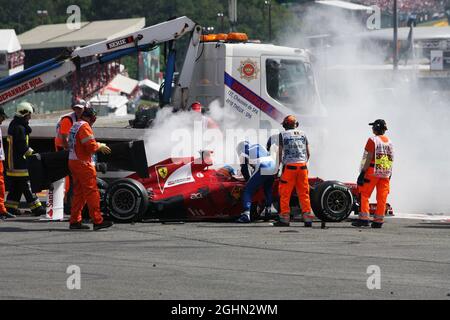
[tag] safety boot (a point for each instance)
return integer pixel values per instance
(281, 223)
(296, 215)
(7, 215)
(78, 226)
(360, 223)
(376, 225)
(39, 211)
(244, 218)
(105, 224)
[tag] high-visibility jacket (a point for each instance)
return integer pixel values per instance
(294, 144)
(383, 158)
(383, 155)
(82, 143)
(63, 127)
(18, 148)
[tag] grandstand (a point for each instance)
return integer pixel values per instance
(409, 6)
(11, 54)
(424, 10)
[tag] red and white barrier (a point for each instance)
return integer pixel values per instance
(55, 202)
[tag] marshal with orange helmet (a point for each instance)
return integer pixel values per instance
(293, 152)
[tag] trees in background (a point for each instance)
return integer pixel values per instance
(253, 16)
(21, 15)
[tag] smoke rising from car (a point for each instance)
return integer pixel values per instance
(183, 134)
(356, 88)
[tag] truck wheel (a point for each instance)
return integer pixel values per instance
(127, 200)
(332, 201)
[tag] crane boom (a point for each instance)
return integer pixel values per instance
(43, 74)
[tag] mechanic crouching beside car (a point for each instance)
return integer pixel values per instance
(82, 147)
(257, 157)
(294, 154)
(376, 172)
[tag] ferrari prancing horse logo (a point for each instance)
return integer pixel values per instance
(236, 193)
(163, 172)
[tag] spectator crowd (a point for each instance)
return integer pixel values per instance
(95, 78)
(423, 10)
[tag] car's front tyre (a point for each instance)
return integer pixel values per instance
(127, 200)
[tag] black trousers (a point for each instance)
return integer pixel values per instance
(18, 186)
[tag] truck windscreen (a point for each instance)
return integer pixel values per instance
(291, 82)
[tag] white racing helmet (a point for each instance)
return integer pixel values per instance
(24, 108)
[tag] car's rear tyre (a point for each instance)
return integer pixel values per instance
(127, 200)
(332, 201)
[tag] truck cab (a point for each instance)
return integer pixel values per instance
(259, 83)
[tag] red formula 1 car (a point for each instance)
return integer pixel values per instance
(188, 189)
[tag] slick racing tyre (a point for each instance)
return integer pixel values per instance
(332, 201)
(127, 200)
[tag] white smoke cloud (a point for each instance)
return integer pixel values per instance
(182, 134)
(417, 119)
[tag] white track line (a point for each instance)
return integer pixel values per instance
(422, 216)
